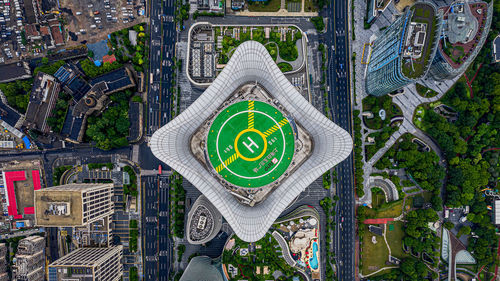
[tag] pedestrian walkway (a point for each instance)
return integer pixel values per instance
(281, 13)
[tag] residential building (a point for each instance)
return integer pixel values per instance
(75, 204)
(88, 264)
(43, 98)
(30, 259)
(4, 276)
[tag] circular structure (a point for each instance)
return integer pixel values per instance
(250, 144)
(203, 223)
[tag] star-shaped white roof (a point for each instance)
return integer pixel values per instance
(252, 63)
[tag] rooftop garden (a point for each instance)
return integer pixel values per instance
(286, 50)
(260, 262)
(422, 13)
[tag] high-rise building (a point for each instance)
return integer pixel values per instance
(403, 52)
(88, 264)
(251, 143)
(466, 27)
(75, 204)
(30, 259)
(202, 268)
(4, 276)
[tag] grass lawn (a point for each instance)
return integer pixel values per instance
(387, 210)
(378, 197)
(309, 6)
(395, 239)
(427, 196)
(373, 255)
(270, 6)
(425, 92)
(285, 67)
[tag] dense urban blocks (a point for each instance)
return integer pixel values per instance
(251, 118)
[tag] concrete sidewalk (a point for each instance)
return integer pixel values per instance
(280, 13)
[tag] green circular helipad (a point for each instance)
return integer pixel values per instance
(250, 144)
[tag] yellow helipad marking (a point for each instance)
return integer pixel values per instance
(226, 163)
(253, 158)
(274, 128)
(251, 107)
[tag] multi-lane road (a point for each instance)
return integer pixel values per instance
(157, 246)
(163, 36)
(155, 228)
(339, 96)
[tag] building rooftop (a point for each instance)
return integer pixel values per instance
(61, 205)
(181, 142)
(252, 143)
(496, 212)
(14, 71)
(420, 33)
(204, 221)
(464, 25)
(44, 94)
(200, 269)
(496, 48)
(86, 257)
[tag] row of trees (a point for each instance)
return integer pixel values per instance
(328, 206)
(178, 198)
(358, 156)
(130, 189)
(134, 233)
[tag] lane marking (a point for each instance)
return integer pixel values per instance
(275, 127)
(251, 107)
(226, 162)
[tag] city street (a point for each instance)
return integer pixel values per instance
(336, 40)
(155, 228)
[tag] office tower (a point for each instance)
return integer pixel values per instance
(403, 52)
(75, 204)
(466, 27)
(88, 264)
(247, 144)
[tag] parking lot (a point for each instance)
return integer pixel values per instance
(91, 21)
(12, 19)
